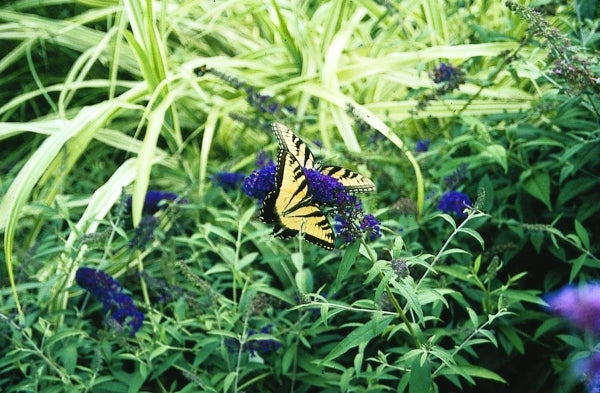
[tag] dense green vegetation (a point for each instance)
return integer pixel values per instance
(133, 256)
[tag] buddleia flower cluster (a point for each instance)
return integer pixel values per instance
(260, 182)
(110, 293)
(351, 222)
(264, 103)
(448, 75)
(154, 201)
(581, 307)
(572, 64)
(228, 181)
(422, 145)
(448, 78)
(455, 202)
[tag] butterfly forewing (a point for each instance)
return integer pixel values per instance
(289, 141)
(291, 208)
(352, 181)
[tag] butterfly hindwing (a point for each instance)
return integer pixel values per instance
(352, 181)
(290, 206)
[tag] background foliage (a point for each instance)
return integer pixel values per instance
(104, 98)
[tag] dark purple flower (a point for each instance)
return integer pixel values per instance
(110, 293)
(97, 282)
(144, 233)
(578, 305)
(263, 159)
(454, 202)
(324, 189)
(351, 222)
(371, 225)
(228, 181)
(456, 178)
(448, 73)
(262, 346)
(422, 145)
(254, 347)
(292, 110)
(260, 182)
(588, 369)
(153, 200)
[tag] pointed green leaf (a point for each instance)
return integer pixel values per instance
(537, 184)
(348, 259)
(362, 334)
(420, 377)
(583, 235)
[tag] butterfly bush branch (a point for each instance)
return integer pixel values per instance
(395, 303)
(471, 214)
(476, 332)
(555, 233)
(66, 378)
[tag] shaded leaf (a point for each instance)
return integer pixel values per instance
(537, 184)
(362, 334)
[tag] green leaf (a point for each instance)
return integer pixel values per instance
(574, 188)
(473, 317)
(146, 158)
(289, 356)
(498, 154)
(577, 264)
(536, 239)
(408, 292)
(587, 8)
(304, 281)
(537, 184)
(348, 260)
(480, 372)
(511, 335)
(547, 326)
(363, 333)
(68, 355)
(473, 234)
(583, 235)
(420, 377)
(229, 380)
